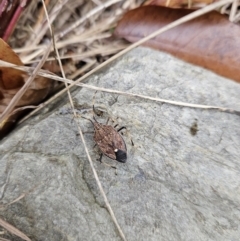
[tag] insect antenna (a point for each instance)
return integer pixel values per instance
(88, 119)
(93, 108)
(93, 113)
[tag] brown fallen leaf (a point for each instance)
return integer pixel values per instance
(210, 41)
(180, 3)
(11, 80)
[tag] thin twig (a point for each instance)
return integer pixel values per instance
(184, 19)
(13, 230)
(91, 13)
(233, 11)
(171, 102)
(21, 92)
(101, 50)
(34, 40)
(83, 140)
(83, 69)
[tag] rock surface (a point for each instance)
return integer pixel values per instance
(182, 177)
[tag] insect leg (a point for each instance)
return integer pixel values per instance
(132, 142)
(93, 102)
(123, 127)
(107, 120)
(100, 158)
(88, 132)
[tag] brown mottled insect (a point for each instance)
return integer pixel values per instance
(110, 141)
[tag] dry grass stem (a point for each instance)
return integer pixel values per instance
(21, 92)
(82, 70)
(84, 38)
(64, 80)
(103, 50)
(88, 15)
(13, 230)
(41, 27)
(84, 143)
(233, 11)
(184, 19)
(17, 199)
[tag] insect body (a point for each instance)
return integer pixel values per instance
(110, 141)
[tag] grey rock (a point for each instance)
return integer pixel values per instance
(182, 177)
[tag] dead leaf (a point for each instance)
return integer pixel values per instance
(180, 3)
(210, 41)
(11, 80)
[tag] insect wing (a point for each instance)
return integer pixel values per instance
(108, 139)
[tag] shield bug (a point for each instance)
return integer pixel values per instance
(109, 140)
